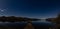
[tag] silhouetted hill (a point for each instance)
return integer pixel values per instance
(16, 19)
(49, 19)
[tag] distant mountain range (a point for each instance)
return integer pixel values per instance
(20, 19)
(16, 19)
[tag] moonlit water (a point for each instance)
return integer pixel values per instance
(12, 24)
(40, 22)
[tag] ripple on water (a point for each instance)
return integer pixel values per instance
(12, 24)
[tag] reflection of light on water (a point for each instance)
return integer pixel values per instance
(0, 22)
(13, 22)
(4, 22)
(42, 20)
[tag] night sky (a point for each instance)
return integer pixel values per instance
(31, 8)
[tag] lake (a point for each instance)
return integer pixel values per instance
(21, 25)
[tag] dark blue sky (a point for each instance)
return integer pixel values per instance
(31, 8)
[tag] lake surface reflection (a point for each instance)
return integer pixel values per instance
(23, 24)
(39, 23)
(13, 23)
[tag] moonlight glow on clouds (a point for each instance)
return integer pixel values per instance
(3, 7)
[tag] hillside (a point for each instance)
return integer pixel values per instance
(16, 19)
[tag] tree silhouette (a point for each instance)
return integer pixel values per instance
(58, 16)
(55, 20)
(58, 19)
